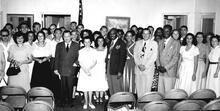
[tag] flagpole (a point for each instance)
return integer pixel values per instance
(80, 18)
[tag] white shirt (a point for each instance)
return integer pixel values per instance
(166, 41)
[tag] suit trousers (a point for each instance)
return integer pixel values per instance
(115, 84)
(66, 88)
(166, 84)
(143, 81)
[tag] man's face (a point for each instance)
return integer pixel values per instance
(37, 28)
(167, 32)
(146, 34)
(183, 31)
(5, 37)
(52, 28)
(113, 35)
(24, 28)
(73, 26)
(67, 37)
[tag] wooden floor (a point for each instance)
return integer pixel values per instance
(78, 104)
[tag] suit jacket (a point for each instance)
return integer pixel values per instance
(169, 56)
(150, 55)
(64, 60)
(118, 57)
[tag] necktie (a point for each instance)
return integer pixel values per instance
(143, 48)
(67, 47)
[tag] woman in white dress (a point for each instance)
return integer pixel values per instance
(20, 54)
(213, 77)
(188, 63)
(30, 44)
(200, 81)
(100, 69)
(87, 80)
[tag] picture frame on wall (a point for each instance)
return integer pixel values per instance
(118, 22)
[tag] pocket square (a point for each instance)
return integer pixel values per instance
(118, 47)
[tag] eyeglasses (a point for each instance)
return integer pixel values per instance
(4, 35)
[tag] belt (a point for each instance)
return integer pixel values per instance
(213, 62)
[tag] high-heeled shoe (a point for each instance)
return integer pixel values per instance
(85, 106)
(91, 106)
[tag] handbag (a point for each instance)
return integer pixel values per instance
(13, 70)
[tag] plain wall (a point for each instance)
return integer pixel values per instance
(141, 12)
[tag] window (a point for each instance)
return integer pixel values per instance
(16, 19)
(59, 20)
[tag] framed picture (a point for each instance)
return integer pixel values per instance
(118, 22)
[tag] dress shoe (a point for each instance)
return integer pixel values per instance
(85, 106)
(91, 106)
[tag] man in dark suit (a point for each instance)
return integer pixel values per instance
(116, 58)
(65, 56)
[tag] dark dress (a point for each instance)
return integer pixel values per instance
(41, 74)
(129, 75)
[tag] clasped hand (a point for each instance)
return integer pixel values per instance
(141, 67)
(162, 69)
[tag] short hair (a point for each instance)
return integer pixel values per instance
(31, 32)
(201, 33)
(177, 31)
(88, 31)
(23, 23)
(96, 32)
(16, 35)
(120, 30)
(146, 29)
(167, 26)
(134, 26)
(4, 30)
(41, 33)
(36, 23)
(103, 27)
(184, 26)
(87, 37)
(150, 27)
(9, 24)
(79, 25)
(216, 37)
(48, 31)
(54, 25)
(96, 41)
(73, 22)
(130, 31)
(194, 42)
(66, 31)
(58, 29)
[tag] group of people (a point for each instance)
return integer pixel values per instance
(66, 60)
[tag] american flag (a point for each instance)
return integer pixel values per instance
(80, 12)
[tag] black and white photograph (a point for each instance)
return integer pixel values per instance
(109, 55)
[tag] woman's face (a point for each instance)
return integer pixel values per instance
(87, 43)
(175, 35)
(85, 34)
(46, 32)
(100, 42)
(208, 38)
(40, 37)
(74, 36)
(199, 38)
(20, 40)
(189, 40)
(30, 37)
(214, 42)
(128, 37)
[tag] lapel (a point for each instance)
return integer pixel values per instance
(169, 44)
(63, 48)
